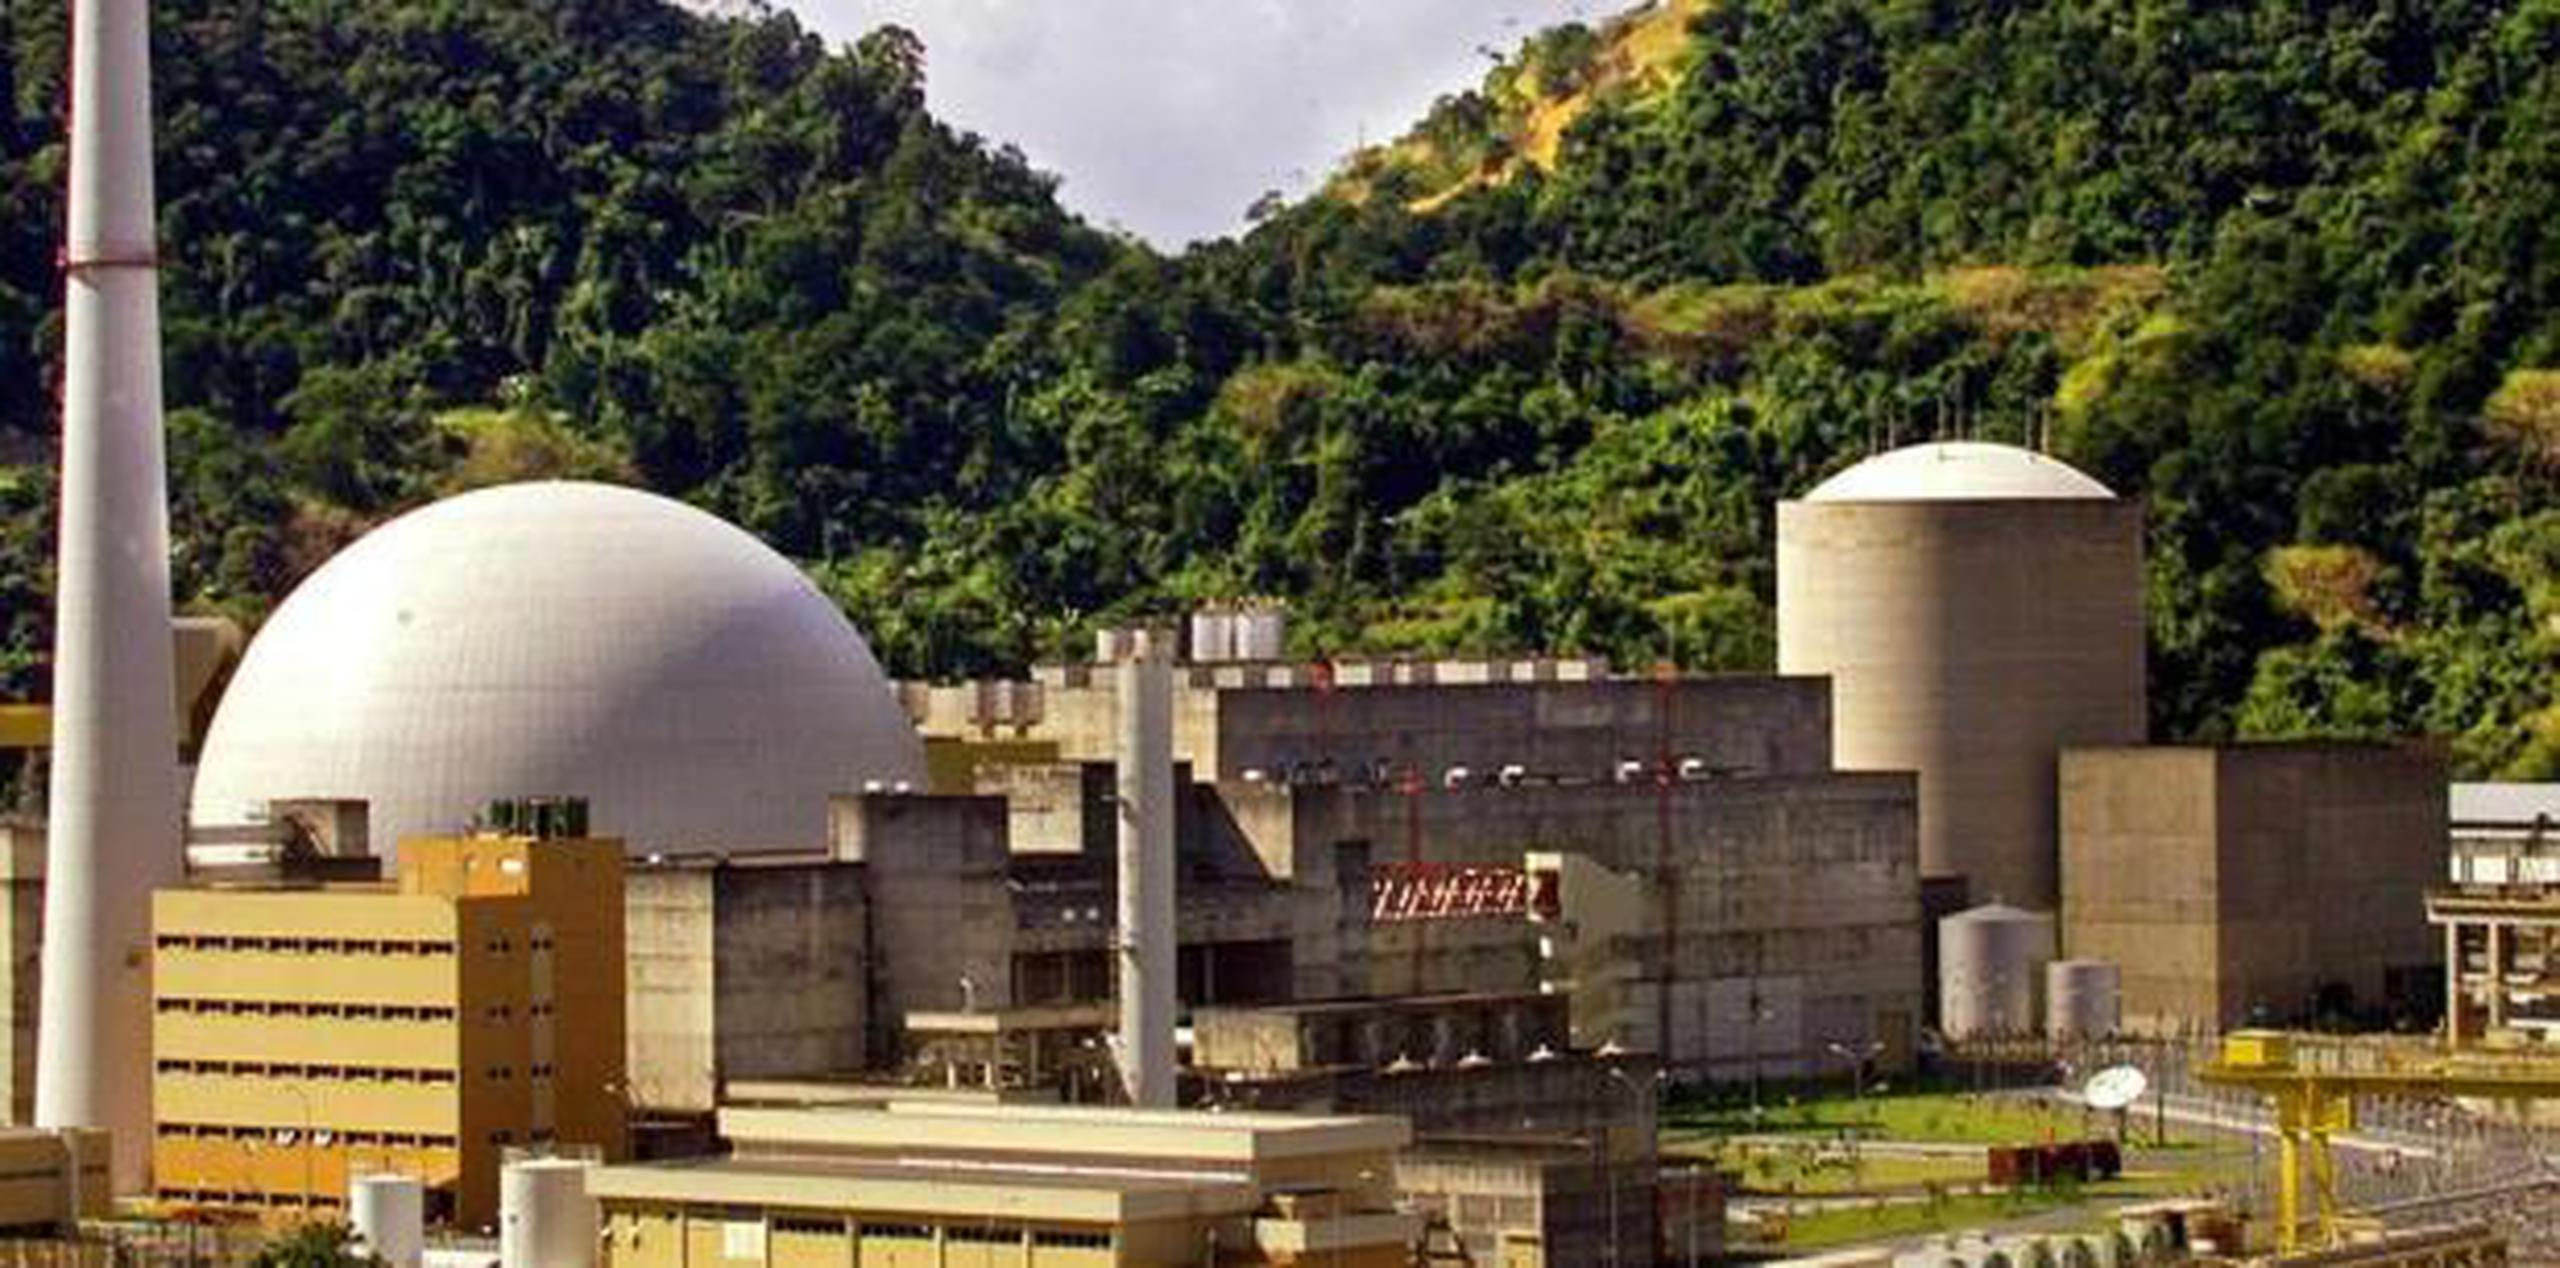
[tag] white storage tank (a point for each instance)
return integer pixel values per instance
(1991, 962)
(545, 1218)
(389, 1214)
(1213, 636)
(1261, 634)
(1978, 609)
(2083, 999)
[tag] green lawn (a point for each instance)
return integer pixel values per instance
(1923, 1117)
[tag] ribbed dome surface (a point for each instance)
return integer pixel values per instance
(560, 638)
(1958, 471)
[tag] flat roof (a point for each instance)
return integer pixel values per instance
(2502, 803)
(915, 1187)
(1084, 1131)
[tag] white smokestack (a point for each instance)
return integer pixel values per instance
(114, 802)
(1147, 931)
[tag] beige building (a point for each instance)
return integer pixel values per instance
(52, 1180)
(925, 1185)
(2254, 884)
(304, 1033)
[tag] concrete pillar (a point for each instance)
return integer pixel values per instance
(1146, 930)
(114, 825)
(2452, 985)
(2497, 975)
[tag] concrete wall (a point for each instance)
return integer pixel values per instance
(747, 971)
(1759, 724)
(793, 994)
(1971, 642)
(2238, 883)
(934, 883)
(1801, 889)
(668, 922)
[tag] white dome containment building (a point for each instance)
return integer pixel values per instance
(560, 638)
(1978, 608)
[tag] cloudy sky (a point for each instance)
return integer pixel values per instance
(1168, 117)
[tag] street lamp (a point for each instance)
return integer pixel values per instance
(1608, 1157)
(303, 1094)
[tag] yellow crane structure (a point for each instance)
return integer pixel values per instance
(2313, 1087)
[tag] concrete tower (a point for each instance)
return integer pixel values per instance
(1147, 929)
(114, 827)
(1978, 609)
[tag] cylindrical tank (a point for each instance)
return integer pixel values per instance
(389, 1215)
(1213, 636)
(1978, 608)
(545, 1218)
(1990, 963)
(1261, 634)
(2083, 999)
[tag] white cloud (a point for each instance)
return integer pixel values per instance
(1167, 117)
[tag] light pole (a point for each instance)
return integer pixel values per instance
(303, 1094)
(1857, 1057)
(1608, 1155)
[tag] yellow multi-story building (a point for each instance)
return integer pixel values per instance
(424, 1026)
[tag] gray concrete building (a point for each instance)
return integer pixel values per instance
(2256, 883)
(750, 967)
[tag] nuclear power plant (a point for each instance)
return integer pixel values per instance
(567, 833)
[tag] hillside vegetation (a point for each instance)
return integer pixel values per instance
(1533, 377)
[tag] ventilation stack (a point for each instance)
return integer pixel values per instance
(1147, 931)
(114, 818)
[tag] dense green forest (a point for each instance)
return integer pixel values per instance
(1531, 377)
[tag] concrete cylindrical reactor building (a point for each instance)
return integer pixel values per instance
(1991, 964)
(389, 1215)
(545, 1218)
(2083, 999)
(1978, 608)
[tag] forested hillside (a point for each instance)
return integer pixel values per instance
(1531, 377)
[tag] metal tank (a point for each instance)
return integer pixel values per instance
(1213, 636)
(1261, 634)
(389, 1216)
(1978, 608)
(2083, 999)
(545, 1218)
(1991, 961)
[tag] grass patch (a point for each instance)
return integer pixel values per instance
(1953, 1118)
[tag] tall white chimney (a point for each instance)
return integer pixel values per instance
(1147, 932)
(114, 799)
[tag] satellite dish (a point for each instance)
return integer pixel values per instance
(2115, 1087)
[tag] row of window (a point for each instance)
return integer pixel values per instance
(308, 946)
(351, 1139)
(299, 1008)
(291, 1070)
(248, 1197)
(962, 1234)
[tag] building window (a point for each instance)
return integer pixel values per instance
(1071, 1239)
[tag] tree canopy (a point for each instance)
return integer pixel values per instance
(1531, 377)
